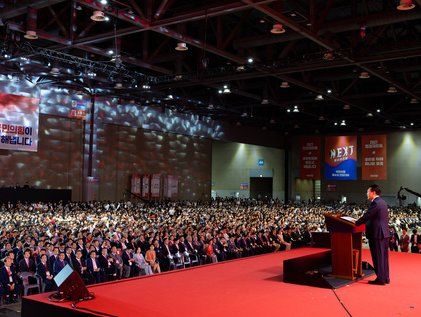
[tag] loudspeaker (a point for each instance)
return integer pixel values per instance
(70, 285)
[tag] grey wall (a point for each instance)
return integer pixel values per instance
(233, 163)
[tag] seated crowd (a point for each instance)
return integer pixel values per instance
(105, 241)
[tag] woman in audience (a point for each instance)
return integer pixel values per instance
(151, 259)
(141, 263)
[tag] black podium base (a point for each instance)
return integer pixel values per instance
(315, 270)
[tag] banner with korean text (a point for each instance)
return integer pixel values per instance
(374, 161)
(136, 187)
(155, 185)
(146, 183)
(310, 157)
(19, 117)
(341, 158)
(171, 186)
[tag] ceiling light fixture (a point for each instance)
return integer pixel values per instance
(284, 84)
(328, 56)
(31, 35)
(405, 5)
(54, 71)
(364, 75)
(181, 47)
(277, 29)
(392, 90)
(98, 16)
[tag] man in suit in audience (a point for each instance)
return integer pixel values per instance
(79, 264)
(404, 241)
(43, 271)
(27, 264)
(9, 281)
(93, 267)
(415, 240)
(59, 264)
(376, 219)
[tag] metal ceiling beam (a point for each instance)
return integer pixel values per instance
(370, 21)
(13, 11)
(183, 18)
(329, 45)
(323, 65)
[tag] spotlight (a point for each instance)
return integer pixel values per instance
(378, 110)
(250, 60)
(343, 123)
(329, 91)
(364, 75)
(104, 2)
(319, 98)
(392, 90)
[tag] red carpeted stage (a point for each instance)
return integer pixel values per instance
(246, 287)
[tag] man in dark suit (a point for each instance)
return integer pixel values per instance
(27, 264)
(377, 232)
(9, 281)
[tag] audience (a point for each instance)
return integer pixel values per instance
(105, 241)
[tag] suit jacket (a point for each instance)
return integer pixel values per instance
(90, 265)
(42, 270)
(58, 266)
(376, 220)
(4, 276)
(23, 267)
(78, 266)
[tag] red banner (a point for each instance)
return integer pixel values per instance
(374, 161)
(156, 185)
(146, 186)
(136, 187)
(310, 157)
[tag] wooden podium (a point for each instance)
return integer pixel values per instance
(346, 246)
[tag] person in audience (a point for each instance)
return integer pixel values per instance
(43, 271)
(394, 239)
(150, 257)
(415, 240)
(143, 267)
(59, 264)
(404, 241)
(9, 281)
(93, 267)
(27, 264)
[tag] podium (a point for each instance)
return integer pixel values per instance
(346, 245)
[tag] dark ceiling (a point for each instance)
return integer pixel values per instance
(325, 48)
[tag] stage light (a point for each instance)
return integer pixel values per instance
(250, 60)
(104, 2)
(284, 84)
(31, 35)
(329, 91)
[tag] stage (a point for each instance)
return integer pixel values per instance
(246, 287)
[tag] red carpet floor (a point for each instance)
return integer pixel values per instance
(254, 287)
